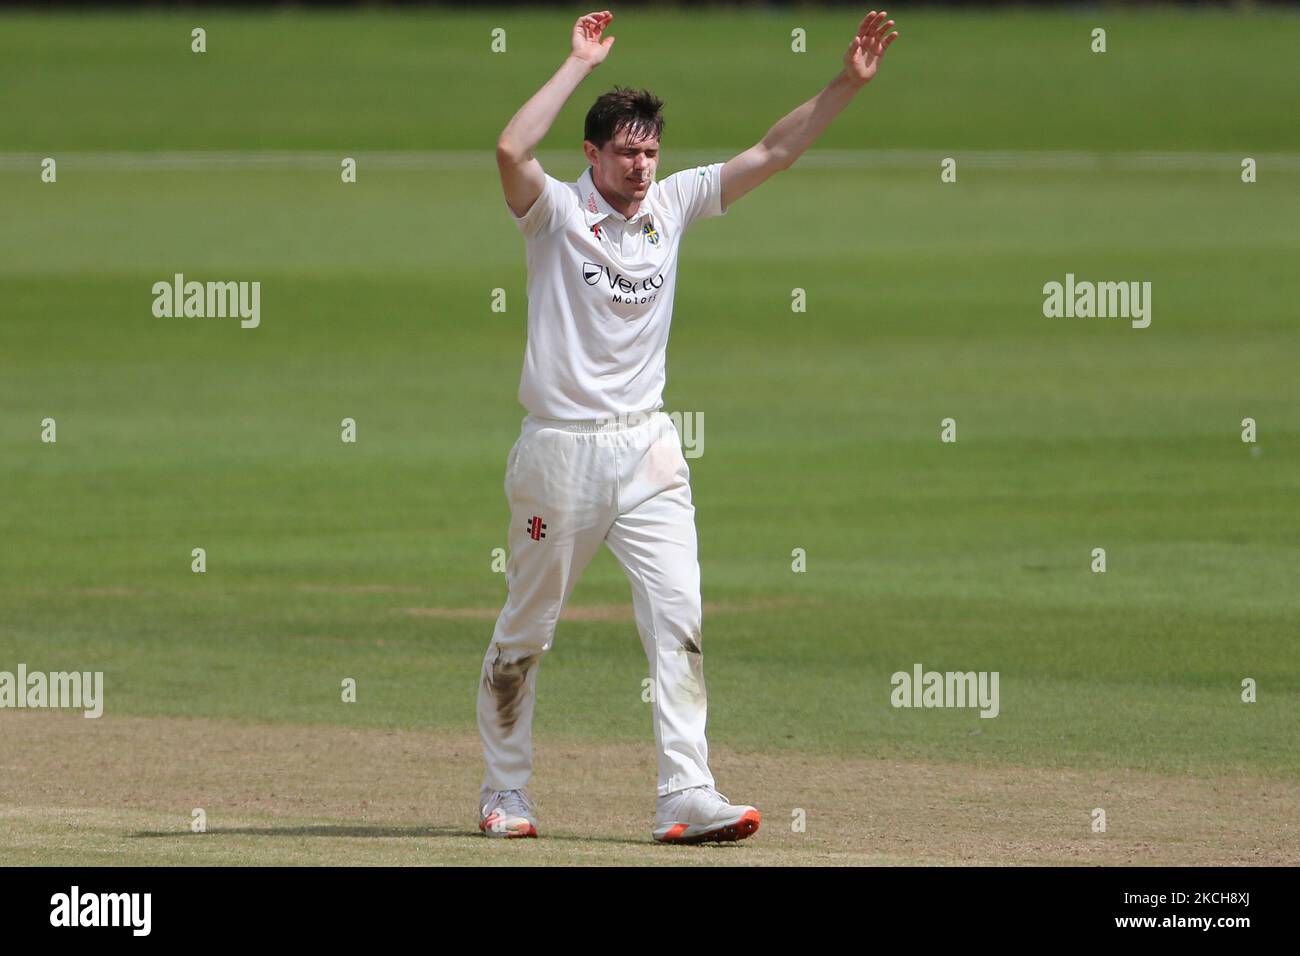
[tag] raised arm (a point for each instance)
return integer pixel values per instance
(522, 176)
(795, 132)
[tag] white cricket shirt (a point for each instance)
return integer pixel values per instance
(600, 293)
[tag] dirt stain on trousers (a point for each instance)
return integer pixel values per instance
(505, 679)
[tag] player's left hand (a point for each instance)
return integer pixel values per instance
(863, 56)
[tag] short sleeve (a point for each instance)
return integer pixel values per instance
(548, 211)
(695, 193)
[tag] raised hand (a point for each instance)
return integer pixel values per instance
(863, 56)
(586, 37)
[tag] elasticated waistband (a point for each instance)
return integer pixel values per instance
(613, 423)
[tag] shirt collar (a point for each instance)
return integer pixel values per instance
(596, 208)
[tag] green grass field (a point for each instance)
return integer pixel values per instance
(821, 428)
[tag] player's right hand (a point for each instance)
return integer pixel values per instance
(586, 37)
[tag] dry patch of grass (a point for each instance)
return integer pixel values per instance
(122, 789)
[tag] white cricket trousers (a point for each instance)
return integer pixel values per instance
(572, 485)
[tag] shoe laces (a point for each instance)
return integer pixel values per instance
(513, 802)
(713, 793)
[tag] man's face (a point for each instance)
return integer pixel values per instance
(625, 168)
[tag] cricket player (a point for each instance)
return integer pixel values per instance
(597, 460)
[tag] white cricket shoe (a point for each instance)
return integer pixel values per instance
(700, 814)
(506, 813)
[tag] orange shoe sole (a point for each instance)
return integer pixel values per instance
(744, 827)
(527, 830)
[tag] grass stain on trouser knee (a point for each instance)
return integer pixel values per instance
(505, 680)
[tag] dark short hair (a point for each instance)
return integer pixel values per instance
(637, 111)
